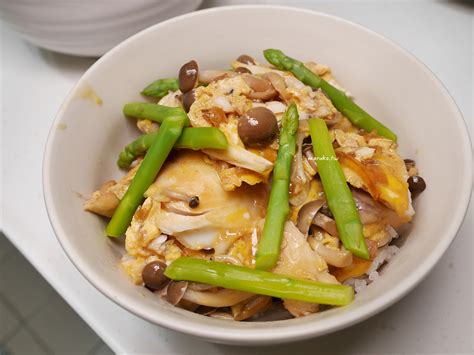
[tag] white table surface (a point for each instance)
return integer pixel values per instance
(437, 317)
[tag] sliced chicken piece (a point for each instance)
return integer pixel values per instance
(297, 259)
(105, 200)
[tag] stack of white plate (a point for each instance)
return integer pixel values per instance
(87, 27)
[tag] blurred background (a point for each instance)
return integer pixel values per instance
(45, 46)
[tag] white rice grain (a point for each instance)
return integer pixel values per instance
(359, 285)
(384, 255)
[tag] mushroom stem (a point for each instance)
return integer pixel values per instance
(326, 223)
(307, 213)
(221, 298)
(334, 257)
(208, 76)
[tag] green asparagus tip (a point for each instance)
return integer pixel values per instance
(154, 112)
(160, 88)
(273, 56)
(343, 104)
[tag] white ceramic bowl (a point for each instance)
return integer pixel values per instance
(87, 27)
(386, 80)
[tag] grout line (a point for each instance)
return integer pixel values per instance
(39, 340)
(23, 323)
(15, 314)
(42, 306)
(11, 307)
(6, 338)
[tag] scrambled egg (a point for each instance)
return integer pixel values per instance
(228, 95)
(373, 164)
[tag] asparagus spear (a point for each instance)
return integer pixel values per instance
(164, 141)
(258, 281)
(339, 99)
(338, 195)
(191, 138)
(161, 87)
(153, 112)
(278, 208)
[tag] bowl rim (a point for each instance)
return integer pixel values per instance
(292, 332)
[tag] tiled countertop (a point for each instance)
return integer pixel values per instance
(436, 317)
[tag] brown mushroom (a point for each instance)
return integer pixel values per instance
(262, 89)
(153, 275)
(335, 257)
(188, 99)
(205, 311)
(409, 163)
(371, 211)
(307, 213)
(190, 306)
(246, 59)
(250, 307)
(257, 127)
(416, 185)
(326, 223)
(188, 76)
(300, 181)
(278, 84)
(308, 153)
(176, 291)
(242, 70)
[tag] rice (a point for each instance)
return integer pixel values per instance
(384, 255)
(359, 285)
